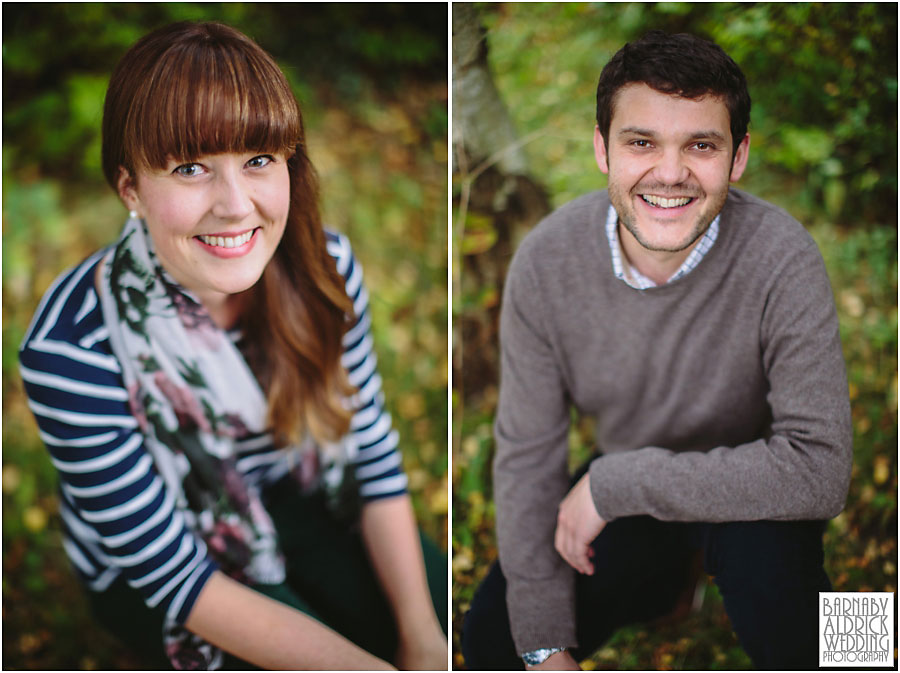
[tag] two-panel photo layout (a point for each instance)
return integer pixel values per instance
(449, 336)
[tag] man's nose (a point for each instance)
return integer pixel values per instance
(671, 168)
(232, 197)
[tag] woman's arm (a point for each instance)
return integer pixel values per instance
(269, 634)
(392, 540)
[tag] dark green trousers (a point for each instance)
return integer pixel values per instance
(329, 577)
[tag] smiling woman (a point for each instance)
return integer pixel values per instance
(231, 487)
(223, 207)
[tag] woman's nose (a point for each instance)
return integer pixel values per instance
(232, 198)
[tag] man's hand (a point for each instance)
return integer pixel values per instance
(559, 661)
(577, 524)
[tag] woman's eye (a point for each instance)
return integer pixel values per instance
(260, 161)
(188, 170)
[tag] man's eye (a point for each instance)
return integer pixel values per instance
(704, 147)
(188, 170)
(260, 161)
(641, 143)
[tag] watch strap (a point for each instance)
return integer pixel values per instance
(536, 657)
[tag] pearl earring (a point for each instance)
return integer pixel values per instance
(133, 214)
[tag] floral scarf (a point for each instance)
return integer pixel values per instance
(194, 396)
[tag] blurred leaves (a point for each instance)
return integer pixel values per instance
(823, 79)
(822, 76)
(371, 80)
(57, 58)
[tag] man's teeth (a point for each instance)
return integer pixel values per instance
(661, 202)
(227, 241)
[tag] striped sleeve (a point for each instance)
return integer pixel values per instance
(379, 466)
(118, 516)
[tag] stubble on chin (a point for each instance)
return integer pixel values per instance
(699, 229)
(628, 218)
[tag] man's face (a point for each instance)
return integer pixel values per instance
(669, 161)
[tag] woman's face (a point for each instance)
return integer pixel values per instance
(215, 222)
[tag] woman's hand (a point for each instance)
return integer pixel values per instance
(392, 540)
(427, 652)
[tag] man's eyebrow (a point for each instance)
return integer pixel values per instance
(696, 135)
(708, 135)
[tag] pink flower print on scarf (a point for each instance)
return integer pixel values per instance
(233, 426)
(234, 486)
(230, 544)
(187, 652)
(137, 406)
(181, 369)
(196, 321)
(184, 404)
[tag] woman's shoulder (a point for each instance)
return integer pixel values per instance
(347, 265)
(67, 331)
(338, 246)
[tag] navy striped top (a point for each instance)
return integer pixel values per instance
(118, 516)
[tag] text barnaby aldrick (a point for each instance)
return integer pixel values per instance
(856, 629)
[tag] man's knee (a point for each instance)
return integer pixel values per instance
(769, 574)
(767, 553)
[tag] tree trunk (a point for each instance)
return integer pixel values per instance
(496, 200)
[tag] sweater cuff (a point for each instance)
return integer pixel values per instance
(542, 612)
(612, 480)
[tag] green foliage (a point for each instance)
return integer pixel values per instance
(57, 58)
(371, 80)
(823, 79)
(822, 76)
(822, 123)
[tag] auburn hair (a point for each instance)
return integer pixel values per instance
(193, 89)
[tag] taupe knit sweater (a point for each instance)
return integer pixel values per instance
(721, 396)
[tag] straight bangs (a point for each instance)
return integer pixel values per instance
(211, 97)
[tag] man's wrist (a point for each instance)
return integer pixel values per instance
(539, 656)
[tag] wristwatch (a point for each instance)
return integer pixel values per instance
(536, 657)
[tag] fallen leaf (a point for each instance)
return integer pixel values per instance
(11, 478)
(35, 519)
(463, 560)
(882, 469)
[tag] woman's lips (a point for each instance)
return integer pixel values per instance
(228, 246)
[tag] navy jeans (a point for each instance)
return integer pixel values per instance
(769, 574)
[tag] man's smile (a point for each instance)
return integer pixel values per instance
(663, 202)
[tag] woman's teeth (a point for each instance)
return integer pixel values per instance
(227, 241)
(661, 202)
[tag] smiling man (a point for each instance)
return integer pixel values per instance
(696, 323)
(671, 172)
